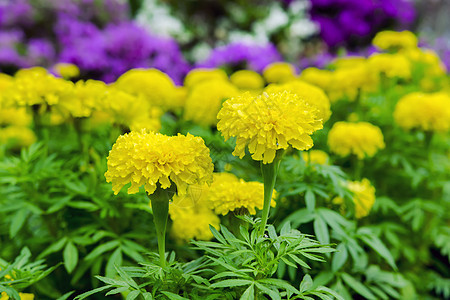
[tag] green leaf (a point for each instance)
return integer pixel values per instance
(280, 284)
(17, 222)
(231, 283)
(102, 249)
(70, 256)
(249, 293)
(114, 260)
(92, 292)
(321, 230)
(339, 257)
(66, 296)
(306, 283)
(376, 244)
(217, 235)
(358, 286)
(55, 247)
(133, 295)
(173, 296)
(117, 290)
(310, 200)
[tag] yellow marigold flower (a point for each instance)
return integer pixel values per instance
(23, 296)
(268, 122)
(348, 61)
(151, 84)
(392, 65)
(205, 99)
(229, 193)
(148, 159)
(363, 196)
(279, 72)
(191, 215)
(36, 86)
(17, 136)
(15, 116)
(317, 77)
(311, 94)
(203, 74)
(395, 40)
(429, 112)
(84, 98)
(66, 70)
(361, 139)
(316, 156)
(181, 93)
(5, 82)
(247, 80)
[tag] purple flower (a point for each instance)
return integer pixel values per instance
(254, 57)
(354, 22)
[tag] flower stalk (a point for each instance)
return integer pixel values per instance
(160, 205)
(269, 172)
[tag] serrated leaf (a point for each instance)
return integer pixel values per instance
(321, 230)
(133, 295)
(306, 283)
(310, 200)
(249, 293)
(17, 222)
(376, 244)
(231, 283)
(173, 296)
(339, 257)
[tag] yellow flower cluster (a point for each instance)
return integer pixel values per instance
(191, 215)
(150, 159)
(352, 76)
(391, 65)
(267, 123)
(17, 136)
(429, 112)
(386, 40)
(361, 139)
(316, 157)
(311, 94)
(23, 296)
(229, 193)
(35, 86)
(363, 197)
(279, 72)
(205, 98)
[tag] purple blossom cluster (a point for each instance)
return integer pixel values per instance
(99, 39)
(350, 22)
(242, 55)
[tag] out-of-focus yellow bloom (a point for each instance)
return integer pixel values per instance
(205, 99)
(391, 65)
(429, 112)
(17, 136)
(84, 98)
(196, 76)
(153, 85)
(427, 59)
(131, 111)
(268, 122)
(181, 93)
(361, 139)
(316, 156)
(247, 80)
(279, 72)
(5, 82)
(36, 86)
(363, 196)
(148, 159)
(311, 94)
(66, 70)
(23, 296)
(192, 216)
(317, 77)
(348, 61)
(386, 40)
(15, 116)
(229, 193)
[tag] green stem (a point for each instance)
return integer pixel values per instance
(269, 173)
(160, 205)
